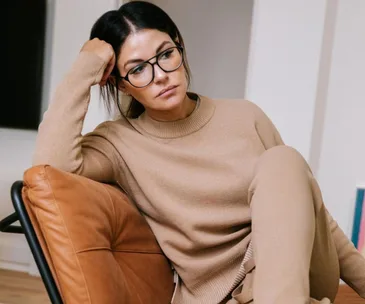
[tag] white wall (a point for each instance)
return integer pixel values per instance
(217, 37)
(342, 157)
(283, 66)
(70, 28)
(15, 157)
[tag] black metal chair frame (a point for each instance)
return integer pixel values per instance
(6, 225)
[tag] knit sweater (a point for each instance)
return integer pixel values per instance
(189, 178)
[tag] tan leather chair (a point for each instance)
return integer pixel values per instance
(98, 247)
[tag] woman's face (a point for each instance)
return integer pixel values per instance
(139, 47)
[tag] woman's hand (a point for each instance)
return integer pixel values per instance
(105, 51)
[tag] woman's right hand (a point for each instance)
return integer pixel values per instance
(105, 51)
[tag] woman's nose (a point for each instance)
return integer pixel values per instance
(160, 74)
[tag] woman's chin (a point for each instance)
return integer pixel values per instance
(170, 102)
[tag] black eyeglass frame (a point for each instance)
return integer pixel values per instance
(179, 47)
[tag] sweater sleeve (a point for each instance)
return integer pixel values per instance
(352, 263)
(59, 141)
(265, 128)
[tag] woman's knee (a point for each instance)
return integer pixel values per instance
(281, 167)
(281, 158)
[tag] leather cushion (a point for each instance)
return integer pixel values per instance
(98, 246)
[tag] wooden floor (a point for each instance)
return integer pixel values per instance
(347, 296)
(20, 288)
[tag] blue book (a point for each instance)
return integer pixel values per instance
(360, 195)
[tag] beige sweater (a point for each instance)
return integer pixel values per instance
(189, 178)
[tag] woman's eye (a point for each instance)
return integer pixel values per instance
(138, 69)
(166, 54)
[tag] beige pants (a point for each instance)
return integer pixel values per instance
(295, 259)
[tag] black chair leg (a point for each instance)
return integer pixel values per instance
(6, 224)
(35, 247)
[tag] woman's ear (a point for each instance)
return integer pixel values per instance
(121, 85)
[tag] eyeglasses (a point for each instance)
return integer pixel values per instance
(143, 74)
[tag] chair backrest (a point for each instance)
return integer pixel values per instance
(27, 228)
(98, 246)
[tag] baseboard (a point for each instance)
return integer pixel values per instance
(14, 252)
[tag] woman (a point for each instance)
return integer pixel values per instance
(231, 206)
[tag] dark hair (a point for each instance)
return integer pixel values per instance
(115, 26)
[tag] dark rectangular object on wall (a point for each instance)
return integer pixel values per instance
(25, 44)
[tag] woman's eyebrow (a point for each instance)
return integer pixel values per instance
(161, 46)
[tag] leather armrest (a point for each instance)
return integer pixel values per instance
(98, 246)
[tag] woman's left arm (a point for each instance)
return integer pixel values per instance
(269, 135)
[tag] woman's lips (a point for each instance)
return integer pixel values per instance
(167, 90)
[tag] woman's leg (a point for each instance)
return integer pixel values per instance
(294, 252)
